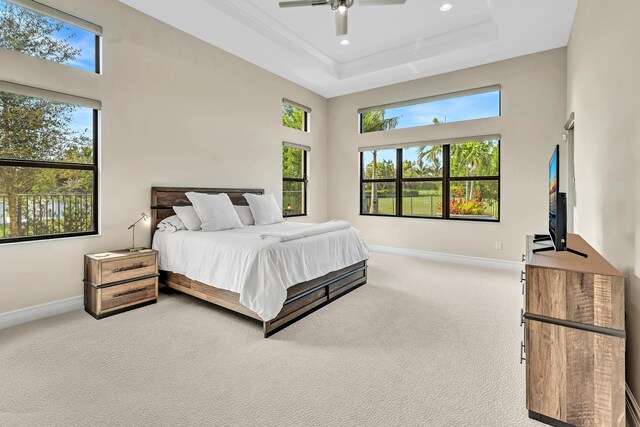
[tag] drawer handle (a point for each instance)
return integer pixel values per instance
(129, 267)
(129, 292)
(522, 353)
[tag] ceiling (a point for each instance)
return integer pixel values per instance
(388, 44)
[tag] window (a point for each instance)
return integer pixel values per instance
(295, 116)
(34, 29)
(294, 179)
(468, 105)
(455, 180)
(48, 165)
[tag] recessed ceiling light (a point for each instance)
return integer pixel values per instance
(344, 42)
(445, 7)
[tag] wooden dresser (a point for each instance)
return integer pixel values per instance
(118, 281)
(574, 338)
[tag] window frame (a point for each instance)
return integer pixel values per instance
(429, 99)
(304, 180)
(446, 181)
(68, 19)
(306, 115)
(39, 164)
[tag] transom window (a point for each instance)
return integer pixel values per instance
(48, 167)
(296, 116)
(35, 29)
(456, 180)
(467, 105)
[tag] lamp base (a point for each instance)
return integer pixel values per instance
(136, 249)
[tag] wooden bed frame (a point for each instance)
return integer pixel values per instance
(302, 298)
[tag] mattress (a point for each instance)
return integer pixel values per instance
(260, 270)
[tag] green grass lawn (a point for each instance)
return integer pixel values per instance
(422, 206)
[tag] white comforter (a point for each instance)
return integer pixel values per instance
(260, 270)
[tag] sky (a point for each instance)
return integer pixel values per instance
(478, 106)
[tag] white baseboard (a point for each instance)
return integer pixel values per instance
(17, 317)
(633, 409)
(458, 259)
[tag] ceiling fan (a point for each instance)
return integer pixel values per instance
(341, 7)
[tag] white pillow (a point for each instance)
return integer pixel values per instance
(245, 215)
(189, 217)
(264, 208)
(215, 211)
(171, 224)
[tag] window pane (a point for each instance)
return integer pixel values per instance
(474, 200)
(380, 164)
(422, 199)
(379, 198)
(39, 129)
(292, 163)
(37, 35)
(293, 117)
(422, 162)
(469, 107)
(293, 198)
(476, 158)
(39, 202)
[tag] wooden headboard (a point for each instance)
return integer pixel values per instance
(164, 198)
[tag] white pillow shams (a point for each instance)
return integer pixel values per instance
(215, 211)
(244, 212)
(189, 217)
(171, 224)
(264, 208)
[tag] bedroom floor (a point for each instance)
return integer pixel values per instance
(423, 343)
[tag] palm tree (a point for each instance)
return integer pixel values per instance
(374, 121)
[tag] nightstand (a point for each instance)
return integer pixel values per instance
(120, 280)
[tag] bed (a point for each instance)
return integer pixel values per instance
(275, 283)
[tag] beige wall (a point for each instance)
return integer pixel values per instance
(176, 111)
(604, 93)
(533, 115)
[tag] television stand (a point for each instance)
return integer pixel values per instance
(537, 238)
(551, 248)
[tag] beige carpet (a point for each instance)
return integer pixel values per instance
(422, 344)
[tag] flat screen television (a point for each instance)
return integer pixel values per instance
(557, 204)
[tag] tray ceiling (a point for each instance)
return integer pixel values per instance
(388, 44)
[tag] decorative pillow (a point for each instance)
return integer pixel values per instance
(189, 217)
(264, 208)
(215, 211)
(171, 224)
(244, 213)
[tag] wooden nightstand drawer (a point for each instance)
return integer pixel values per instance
(126, 294)
(128, 268)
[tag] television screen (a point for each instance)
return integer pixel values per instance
(553, 193)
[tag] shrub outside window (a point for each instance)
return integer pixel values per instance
(456, 180)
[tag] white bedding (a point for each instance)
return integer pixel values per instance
(260, 270)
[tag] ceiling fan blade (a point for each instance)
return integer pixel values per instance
(299, 3)
(341, 23)
(381, 2)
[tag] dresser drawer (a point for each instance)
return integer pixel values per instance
(127, 268)
(126, 294)
(592, 299)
